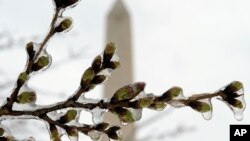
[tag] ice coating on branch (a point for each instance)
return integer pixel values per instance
(175, 101)
(97, 115)
(95, 135)
(85, 100)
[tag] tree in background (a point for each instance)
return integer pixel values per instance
(127, 102)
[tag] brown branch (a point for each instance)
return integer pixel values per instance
(30, 63)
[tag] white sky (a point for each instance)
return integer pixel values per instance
(199, 45)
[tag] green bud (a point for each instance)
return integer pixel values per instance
(128, 92)
(235, 103)
(22, 78)
(102, 126)
(88, 75)
(159, 106)
(112, 65)
(30, 50)
(200, 106)
(26, 97)
(64, 25)
(54, 133)
(109, 52)
(231, 90)
(73, 132)
(69, 116)
(99, 79)
(112, 132)
(97, 63)
(124, 115)
(171, 93)
(145, 102)
(42, 62)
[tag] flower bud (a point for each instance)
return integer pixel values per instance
(1, 131)
(88, 75)
(200, 106)
(231, 90)
(124, 115)
(112, 133)
(171, 93)
(97, 63)
(145, 102)
(112, 65)
(64, 25)
(235, 103)
(128, 92)
(73, 132)
(26, 97)
(54, 135)
(102, 126)
(22, 78)
(159, 106)
(30, 50)
(69, 116)
(42, 62)
(109, 52)
(98, 79)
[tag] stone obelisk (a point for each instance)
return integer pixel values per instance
(119, 32)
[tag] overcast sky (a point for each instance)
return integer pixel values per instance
(199, 45)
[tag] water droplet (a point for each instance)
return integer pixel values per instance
(94, 135)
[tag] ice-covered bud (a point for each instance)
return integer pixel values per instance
(145, 102)
(54, 135)
(112, 65)
(159, 106)
(65, 3)
(124, 115)
(235, 103)
(200, 106)
(233, 90)
(30, 50)
(69, 116)
(128, 92)
(171, 93)
(26, 97)
(112, 133)
(109, 52)
(98, 79)
(102, 126)
(41, 63)
(22, 78)
(87, 76)
(97, 63)
(73, 132)
(66, 24)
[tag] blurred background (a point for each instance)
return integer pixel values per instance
(198, 45)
